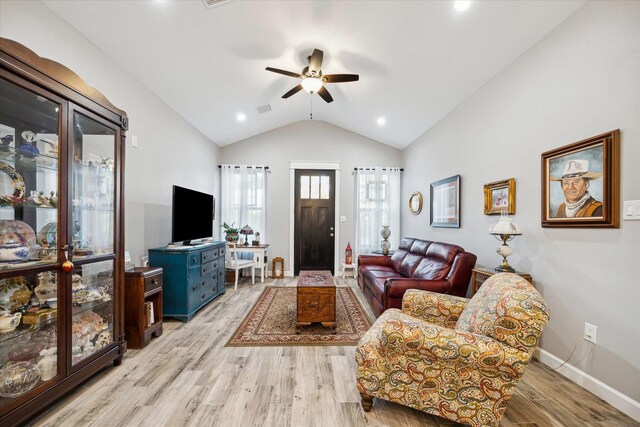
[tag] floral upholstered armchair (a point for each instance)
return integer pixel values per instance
(452, 357)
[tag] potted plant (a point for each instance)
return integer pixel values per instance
(230, 232)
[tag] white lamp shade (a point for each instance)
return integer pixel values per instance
(311, 84)
(505, 226)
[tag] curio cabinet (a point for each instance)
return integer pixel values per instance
(61, 263)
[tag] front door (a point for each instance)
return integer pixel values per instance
(314, 222)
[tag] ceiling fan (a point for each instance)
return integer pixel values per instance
(312, 78)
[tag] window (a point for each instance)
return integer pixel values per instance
(243, 190)
(314, 187)
(377, 204)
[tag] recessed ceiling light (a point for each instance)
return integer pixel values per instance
(381, 121)
(241, 117)
(461, 5)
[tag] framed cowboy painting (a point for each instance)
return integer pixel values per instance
(581, 183)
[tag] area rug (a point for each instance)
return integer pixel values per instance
(272, 322)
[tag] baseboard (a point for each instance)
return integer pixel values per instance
(610, 395)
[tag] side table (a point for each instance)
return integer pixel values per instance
(346, 267)
(480, 274)
(142, 285)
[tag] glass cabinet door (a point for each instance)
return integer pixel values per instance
(92, 235)
(30, 278)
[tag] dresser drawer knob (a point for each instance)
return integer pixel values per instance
(154, 282)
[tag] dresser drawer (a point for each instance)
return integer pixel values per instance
(208, 268)
(209, 255)
(222, 251)
(194, 260)
(152, 283)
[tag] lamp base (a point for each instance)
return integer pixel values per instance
(504, 269)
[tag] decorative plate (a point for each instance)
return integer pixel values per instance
(17, 181)
(24, 232)
(48, 235)
(10, 286)
(29, 136)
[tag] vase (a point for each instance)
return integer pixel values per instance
(232, 237)
(18, 378)
(385, 245)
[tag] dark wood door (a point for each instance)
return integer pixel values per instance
(314, 222)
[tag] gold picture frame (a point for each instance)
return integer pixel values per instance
(500, 196)
(415, 203)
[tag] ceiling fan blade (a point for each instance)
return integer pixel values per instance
(292, 91)
(286, 73)
(324, 94)
(340, 78)
(315, 61)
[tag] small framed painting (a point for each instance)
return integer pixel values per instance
(500, 196)
(581, 183)
(445, 202)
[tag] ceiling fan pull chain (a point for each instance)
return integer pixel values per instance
(311, 108)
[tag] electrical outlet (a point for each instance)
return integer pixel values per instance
(590, 332)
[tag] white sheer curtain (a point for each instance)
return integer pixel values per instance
(244, 193)
(377, 204)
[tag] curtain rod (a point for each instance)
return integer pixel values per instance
(371, 169)
(250, 167)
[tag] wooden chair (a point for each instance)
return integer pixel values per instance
(231, 262)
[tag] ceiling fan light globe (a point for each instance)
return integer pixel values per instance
(311, 84)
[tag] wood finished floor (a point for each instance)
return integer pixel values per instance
(188, 378)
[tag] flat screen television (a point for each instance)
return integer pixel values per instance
(192, 215)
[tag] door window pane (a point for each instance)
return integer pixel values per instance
(325, 187)
(315, 187)
(304, 187)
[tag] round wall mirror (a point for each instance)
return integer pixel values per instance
(415, 203)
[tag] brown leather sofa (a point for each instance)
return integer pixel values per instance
(417, 264)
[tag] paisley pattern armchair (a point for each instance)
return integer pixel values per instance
(452, 357)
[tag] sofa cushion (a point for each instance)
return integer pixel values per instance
(420, 247)
(396, 260)
(409, 264)
(443, 251)
(432, 269)
(508, 309)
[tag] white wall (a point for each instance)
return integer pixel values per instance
(581, 80)
(170, 150)
(308, 141)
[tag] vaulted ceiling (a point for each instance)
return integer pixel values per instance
(416, 60)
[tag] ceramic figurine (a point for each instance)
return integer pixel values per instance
(48, 365)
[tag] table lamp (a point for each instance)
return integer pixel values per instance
(504, 230)
(247, 231)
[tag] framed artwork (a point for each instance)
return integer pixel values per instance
(581, 183)
(445, 202)
(415, 203)
(500, 196)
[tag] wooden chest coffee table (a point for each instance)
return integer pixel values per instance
(316, 300)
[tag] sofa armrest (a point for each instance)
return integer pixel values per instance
(432, 307)
(373, 260)
(414, 339)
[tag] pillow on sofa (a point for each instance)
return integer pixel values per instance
(508, 309)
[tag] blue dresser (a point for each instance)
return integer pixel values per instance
(193, 276)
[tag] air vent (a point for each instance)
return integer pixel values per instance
(264, 109)
(213, 3)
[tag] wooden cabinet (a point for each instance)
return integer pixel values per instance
(193, 276)
(480, 274)
(143, 305)
(61, 195)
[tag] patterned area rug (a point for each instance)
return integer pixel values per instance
(272, 322)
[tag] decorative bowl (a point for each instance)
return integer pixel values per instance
(52, 302)
(14, 252)
(18, 378)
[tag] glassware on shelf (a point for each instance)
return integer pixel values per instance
(17, 378)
